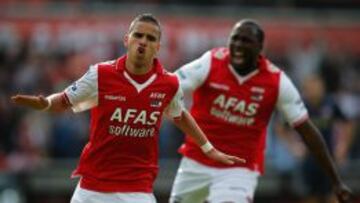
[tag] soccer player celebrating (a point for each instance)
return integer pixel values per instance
(127, 98)
(234, 91)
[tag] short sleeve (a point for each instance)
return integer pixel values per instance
(83, 93)
(194, 74)
(289, 102)
(176, 106)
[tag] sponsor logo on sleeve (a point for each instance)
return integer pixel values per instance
(181, 74)
(220, 54)
(74, 87)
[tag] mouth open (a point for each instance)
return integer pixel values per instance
(238, 57)
(141, 50)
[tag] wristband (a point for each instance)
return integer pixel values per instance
(48, 106)
(207, 147)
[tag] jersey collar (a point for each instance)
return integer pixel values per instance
(242, 79)
(120, 66)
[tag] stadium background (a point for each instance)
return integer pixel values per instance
(47, 44)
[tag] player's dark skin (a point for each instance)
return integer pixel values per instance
(245, 45)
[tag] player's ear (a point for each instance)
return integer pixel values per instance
(126, 40)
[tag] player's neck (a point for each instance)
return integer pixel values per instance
(138, 68)
(245, 71)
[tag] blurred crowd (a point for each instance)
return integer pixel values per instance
(48, 59)
(320, 4)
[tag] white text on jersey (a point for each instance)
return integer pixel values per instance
(137, 116)
(127, 130)
(233, 110)
(232, 103)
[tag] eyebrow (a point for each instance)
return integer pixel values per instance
(149, 36)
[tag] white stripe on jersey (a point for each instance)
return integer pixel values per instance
(83, 93)
(289, 102)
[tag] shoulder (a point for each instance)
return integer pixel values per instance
(169, 82)
(105, 64)
(219, 53)
(270, 66)
(170, 78)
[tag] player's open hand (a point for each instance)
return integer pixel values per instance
(224, 158)
(343, 193)
(34, 102)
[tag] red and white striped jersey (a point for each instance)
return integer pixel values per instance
(122, 152)
(234, 111)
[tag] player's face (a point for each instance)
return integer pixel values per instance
(244, 46)
(143, 42)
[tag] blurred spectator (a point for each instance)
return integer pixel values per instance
(30, 141)
(335, 127)
(305, 57)
(68, 130)
(337, 131)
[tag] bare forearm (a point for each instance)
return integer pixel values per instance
(58, 102)
(53, 103)
(188, 125)
(317, 146)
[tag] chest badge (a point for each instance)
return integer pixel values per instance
(156, 99)
(257, 93)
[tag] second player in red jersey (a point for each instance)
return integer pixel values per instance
(235, 90)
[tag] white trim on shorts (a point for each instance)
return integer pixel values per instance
(220, 184)
(82, 195)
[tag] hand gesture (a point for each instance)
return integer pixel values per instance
(224, 158)
(343, 193)
(34, 102)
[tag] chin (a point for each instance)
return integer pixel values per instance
(237, 65)
(140, 57)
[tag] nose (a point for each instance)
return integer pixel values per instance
(238, 42)
(143, 41)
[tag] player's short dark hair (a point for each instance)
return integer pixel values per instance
(145, 17)
(259, 31)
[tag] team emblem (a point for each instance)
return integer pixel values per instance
(155, 103)
(257, 93)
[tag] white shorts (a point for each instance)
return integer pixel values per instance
(195, 183)
(87, 196)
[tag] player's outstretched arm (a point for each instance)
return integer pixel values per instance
(188, 125)
(316, 145)
(53, 103)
